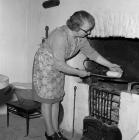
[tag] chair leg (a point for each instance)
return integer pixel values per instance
(7, 117)
(27, 125)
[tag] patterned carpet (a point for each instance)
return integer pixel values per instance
(17, 129)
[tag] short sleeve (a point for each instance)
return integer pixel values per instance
(88, 50)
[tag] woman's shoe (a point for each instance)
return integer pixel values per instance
(61, 137)
(52, 137)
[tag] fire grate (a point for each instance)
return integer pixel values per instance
(104, 104)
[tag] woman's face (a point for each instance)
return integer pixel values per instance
(85, 29)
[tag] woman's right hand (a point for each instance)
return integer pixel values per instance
(83, 73)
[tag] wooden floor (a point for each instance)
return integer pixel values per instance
(17, 129)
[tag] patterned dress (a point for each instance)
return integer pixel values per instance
(48, 82)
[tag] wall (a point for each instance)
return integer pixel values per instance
(112, 17)
(15, 39)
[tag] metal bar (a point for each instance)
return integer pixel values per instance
(102, 104)
(111, 96)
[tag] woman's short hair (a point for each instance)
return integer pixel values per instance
(78, 18)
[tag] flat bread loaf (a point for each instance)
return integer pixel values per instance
(113, 74)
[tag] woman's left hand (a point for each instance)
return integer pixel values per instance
(116, 68)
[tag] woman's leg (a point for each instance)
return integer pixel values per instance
(47, 114)
(55, 114)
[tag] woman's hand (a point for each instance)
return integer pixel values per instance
(83, 73)
(116, 68)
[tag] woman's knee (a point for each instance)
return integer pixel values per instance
(46, 107)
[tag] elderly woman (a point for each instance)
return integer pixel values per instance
(50, 66)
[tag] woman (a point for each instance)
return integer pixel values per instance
(50, 66)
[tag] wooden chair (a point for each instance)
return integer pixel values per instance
(25, 108)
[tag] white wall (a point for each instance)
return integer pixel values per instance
(19, 37)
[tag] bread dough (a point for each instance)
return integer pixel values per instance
(113, 74)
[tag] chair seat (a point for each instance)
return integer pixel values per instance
(29, 106)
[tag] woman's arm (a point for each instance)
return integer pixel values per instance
(92, 54)
(58, 49)
(113, 67)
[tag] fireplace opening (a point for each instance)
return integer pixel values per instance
(122, 51)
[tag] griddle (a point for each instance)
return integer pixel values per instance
(108, 78)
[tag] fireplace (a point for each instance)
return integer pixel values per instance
(105, 93)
